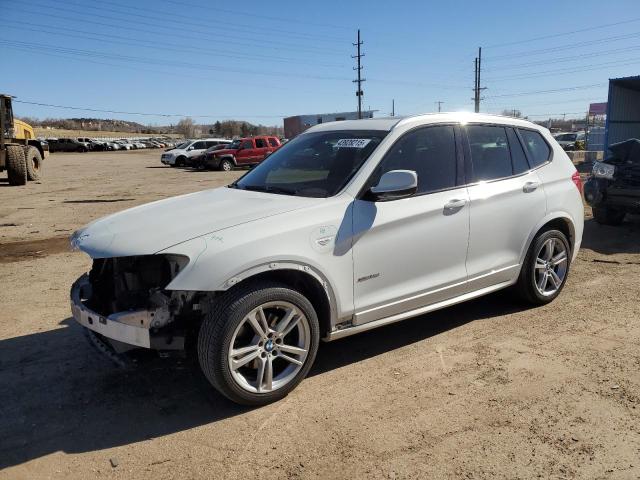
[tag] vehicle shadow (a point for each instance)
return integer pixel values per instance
(59, 394)
(609, 240)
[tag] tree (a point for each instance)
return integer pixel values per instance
(512, 113)
(244, 129)
(217, 128)
(186, 128)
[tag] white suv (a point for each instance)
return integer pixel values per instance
(180, 155)
(349, 226)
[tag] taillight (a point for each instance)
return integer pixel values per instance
(575, 178)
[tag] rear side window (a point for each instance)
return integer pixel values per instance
(430, 152)
(518, 157)
(489, 152)
(538, 150)
(260, 143)
(272, 142)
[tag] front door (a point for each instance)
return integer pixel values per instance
(410, 253)
(246, 153)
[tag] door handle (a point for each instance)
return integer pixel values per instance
(530, 187)
(452, 206)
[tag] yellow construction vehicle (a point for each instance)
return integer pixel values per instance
(21, 155)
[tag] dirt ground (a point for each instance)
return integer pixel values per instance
(487, 389)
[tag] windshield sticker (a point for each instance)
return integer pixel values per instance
(352, 142)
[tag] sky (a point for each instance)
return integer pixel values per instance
(259, 61)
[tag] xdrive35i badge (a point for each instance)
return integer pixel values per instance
(368, 277)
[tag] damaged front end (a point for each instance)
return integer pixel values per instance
(615, 183)
(124, 303)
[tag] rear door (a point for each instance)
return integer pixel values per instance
(507, 203)
(261, 148)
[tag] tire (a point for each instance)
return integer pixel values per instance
(34, 163)
(227, 321)
(608, 215)
(180, 162)
(531, 271)
(226, 165)
(16, 165)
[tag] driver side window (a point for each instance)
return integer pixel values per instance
(428, 151)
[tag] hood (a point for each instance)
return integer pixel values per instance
(156, 226)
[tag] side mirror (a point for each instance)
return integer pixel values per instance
(394, 185)
(189, 149)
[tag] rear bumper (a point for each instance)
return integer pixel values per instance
(118, 326)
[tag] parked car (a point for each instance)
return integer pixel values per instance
(568, 140)
(242, 152)
(67, 145)
(613, 189)
(178, 156)
(198, 160)
(351, 226)
(124, 145)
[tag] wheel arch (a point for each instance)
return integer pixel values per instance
(302, 278)
(559, 221)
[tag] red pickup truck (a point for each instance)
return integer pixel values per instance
(242, 152)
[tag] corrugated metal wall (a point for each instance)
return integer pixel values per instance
(623, 115)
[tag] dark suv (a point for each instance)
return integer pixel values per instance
(613, 189)
(67, 145)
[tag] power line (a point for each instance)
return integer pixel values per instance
(145, 60)
(162, 31)
(165, 45)
(556, 90)
(101, 110)
(565, 47)
(562, 34)
(565, 71)
(174, 18)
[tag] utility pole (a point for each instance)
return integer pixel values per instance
(359, 80)
(477, 88)
(393, 107)
(439, 105)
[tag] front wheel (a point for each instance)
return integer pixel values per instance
(226, 165)
(545, 268)
(258, 342)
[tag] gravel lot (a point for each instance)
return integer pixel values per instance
(481, 390)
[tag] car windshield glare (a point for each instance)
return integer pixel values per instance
(313, 164)
(234, 145)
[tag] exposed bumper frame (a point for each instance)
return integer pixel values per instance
(109, 326)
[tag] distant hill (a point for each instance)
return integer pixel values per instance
(95, 125)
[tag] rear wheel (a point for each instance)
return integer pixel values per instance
(608, 215)
(34, 163)
(258, 342)
(545, 268)
(16, 165)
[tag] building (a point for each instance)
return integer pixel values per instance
(296, 125)
(623, 110)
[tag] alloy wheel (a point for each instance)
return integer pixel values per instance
(551, 266)
(269, 347)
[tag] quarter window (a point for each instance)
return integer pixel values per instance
(430, 152)
(489, 152)
(537, 148)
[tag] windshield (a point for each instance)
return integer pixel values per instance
(570, 137)
(183, 145)
(314, 164)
